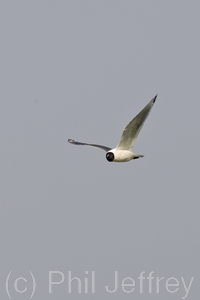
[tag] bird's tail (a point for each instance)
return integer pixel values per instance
(137, 156)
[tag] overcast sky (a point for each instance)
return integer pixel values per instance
(83, 70)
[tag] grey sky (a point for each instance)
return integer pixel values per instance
(82, 70)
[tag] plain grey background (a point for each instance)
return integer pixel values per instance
(83, 70)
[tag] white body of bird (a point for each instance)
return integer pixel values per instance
(122, 155)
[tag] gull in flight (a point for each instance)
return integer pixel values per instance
(123, 151)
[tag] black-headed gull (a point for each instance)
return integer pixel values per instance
(123, 152)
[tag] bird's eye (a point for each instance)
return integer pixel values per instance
(110, 156)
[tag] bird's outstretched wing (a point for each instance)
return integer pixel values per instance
(132, 130)
(91, 145)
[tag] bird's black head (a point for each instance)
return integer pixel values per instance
(110, 156)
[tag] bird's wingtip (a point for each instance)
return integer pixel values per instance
(154, 99)
(70, 140)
